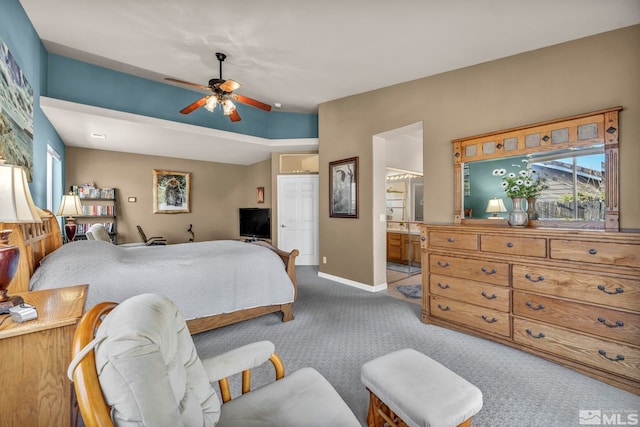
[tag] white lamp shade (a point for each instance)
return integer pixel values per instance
(70, 206)
(16, 204)
(496, 205)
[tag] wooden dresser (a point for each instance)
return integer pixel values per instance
(35, 355)
(572, 297)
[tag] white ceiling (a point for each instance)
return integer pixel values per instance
(301, 54)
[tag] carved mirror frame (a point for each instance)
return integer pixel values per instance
(599, 127)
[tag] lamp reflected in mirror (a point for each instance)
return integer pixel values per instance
(494, 207)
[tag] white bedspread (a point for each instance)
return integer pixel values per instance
(202, 278)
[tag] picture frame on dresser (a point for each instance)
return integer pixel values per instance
(534, 146)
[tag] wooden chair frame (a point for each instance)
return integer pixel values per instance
(93, 407)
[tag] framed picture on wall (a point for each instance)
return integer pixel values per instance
(260, 194)
(343, 188)
(171, 191)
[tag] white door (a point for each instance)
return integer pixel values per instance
(298, 216)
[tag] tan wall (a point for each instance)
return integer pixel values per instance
(572, 78)
(217, 191)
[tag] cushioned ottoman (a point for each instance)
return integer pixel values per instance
(408, 388)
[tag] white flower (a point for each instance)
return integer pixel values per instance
(523, 173)
(496, 172)
(519, 182)
(504, 184)
(511, 175)
(528, 183)
(515, 188)
(501, 172)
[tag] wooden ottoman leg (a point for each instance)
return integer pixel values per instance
(373, 417)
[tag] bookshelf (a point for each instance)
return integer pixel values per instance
(99, 206)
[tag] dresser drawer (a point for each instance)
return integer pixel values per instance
(452, 240)
(622, 254)
(619, 292)
(602, 354)
(478, 293)
(484, 271)
(514, 245)
(477, 317)
(605, 322)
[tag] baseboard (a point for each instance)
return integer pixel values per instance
(353, 283)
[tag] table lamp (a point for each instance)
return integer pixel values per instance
(16, 206)
(69, 207)
(494, 206)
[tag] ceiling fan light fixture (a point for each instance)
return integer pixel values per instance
(228, 107)
(211, 103)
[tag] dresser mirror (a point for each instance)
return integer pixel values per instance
(576, 159)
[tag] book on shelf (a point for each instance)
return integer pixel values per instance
(98, 210)
(96, 193)
(82, 228)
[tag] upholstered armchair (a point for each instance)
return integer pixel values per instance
(98, 232)
(135, 364)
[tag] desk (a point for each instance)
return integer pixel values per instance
(34, 387)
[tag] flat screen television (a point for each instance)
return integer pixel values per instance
(255, 223)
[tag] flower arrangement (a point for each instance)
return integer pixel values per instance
(526, 183)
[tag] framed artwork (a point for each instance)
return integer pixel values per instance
(16, 113)
(260, 194)
(171, 191)
(343, 188)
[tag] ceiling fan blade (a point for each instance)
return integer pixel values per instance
(234, 116)
(185, 83)
(252, 102)
(230, 85)
(199, 103)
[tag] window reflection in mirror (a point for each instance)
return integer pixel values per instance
(575, 181)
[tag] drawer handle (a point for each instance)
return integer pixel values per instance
(445, 286)
(617, 291)
(540, 335)
(539, 307)
(443, 308)
(485, 271)
(509, 245)
(618, 323)
(451, 240)
(443, 264)
(423, 238)
(618, 358)
(493, 296)
(492, 320)
(593, 251)
(528, 277)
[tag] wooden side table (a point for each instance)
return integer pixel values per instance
(34, 389)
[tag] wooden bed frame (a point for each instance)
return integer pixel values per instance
(35, 241)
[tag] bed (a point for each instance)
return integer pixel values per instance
(214, 283)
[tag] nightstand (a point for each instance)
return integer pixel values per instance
(34, 389)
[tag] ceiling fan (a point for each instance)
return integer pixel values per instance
(222, 94)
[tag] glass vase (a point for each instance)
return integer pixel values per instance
(531, 208)
(517, 215)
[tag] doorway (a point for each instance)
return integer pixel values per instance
(298, 224)
(399, 207)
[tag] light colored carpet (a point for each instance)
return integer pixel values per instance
(338, 328)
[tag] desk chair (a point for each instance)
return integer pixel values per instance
(151, 241)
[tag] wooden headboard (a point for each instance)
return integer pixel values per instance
(35, 241)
